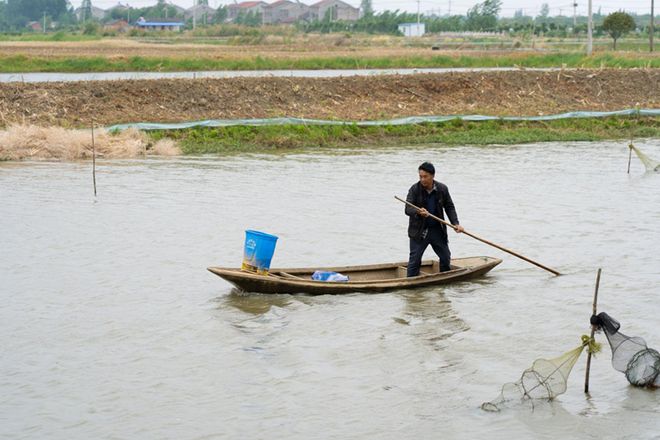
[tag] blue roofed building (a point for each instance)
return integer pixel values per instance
(160, 24)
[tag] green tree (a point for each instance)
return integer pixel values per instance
(252, 18)
(483, 16)
(617, 24)
(491, 7)
(116, 13)
(327, 16)
(91, 28)
(86, 10)
(220, 14)
(453, 23)
(386, 22)
(20, 12)
(367, 8)
(544, 12)
(3, 16)
(162, 10)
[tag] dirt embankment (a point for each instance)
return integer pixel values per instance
(524, 93)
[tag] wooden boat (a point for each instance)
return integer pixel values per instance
(368, 278)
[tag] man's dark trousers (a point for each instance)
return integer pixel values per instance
(438, 241)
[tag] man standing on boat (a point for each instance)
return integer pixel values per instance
(433, 198)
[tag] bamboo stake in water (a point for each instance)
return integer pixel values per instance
(93, 159)
(630, 147)
(483, 240)
(593, 331)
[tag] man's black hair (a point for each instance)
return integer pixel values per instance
(428, 167)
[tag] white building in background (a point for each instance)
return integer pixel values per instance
(338, 10)
(203, 13)
(412, 29)
(97, 14)
(286, 12)
(235, 9)
(179, 9)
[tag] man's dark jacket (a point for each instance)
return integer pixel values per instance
(418, 196)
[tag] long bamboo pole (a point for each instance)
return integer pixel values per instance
(593, 331)
(483, 240)
(630, 147)
(93, 159)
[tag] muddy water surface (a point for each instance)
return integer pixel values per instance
(112, 328)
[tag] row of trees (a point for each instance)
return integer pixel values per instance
(483, 17)
(15, 14)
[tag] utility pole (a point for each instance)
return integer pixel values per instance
(44, 22)
(194, 11)
(417, 15)
(590, 27)
(651, 30)
(575, 15)
(449, 9)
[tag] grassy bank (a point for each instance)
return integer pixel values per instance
(24, 63)
(264, 139)
(58, 36)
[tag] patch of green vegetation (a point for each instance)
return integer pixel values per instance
(288, 138)
(57, 36)
(21, 63)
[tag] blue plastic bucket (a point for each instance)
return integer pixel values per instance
(259, 250)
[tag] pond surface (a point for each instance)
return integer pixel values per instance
(113, 329)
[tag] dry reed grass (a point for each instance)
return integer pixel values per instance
(166, 147)
(272, 46)
(20, 142)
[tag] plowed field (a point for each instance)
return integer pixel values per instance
(523, 93)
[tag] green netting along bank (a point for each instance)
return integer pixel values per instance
(399, 121)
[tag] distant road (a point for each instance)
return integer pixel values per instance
(110, 76)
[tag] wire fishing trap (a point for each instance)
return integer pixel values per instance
(630, 355)
(545, 379)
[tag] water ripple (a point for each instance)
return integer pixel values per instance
(112, 327)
